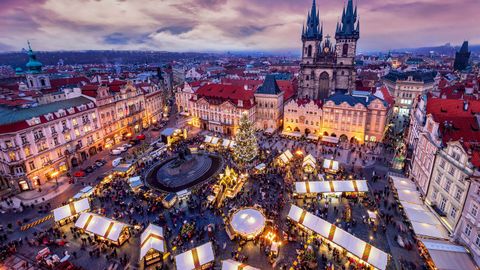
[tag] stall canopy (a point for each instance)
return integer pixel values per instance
(330, 164)
(71, 209)
(122, 168)
(309, 160)
(152, 239)
(330, 139)
(215, 140)
(260, 167)
(312, 137)
(232, 144)
(135, 181)
(446, 255)
(331, 186)
(195, 257)
(292, 134)
(208, 139)
(352, 244)
(424, 222)
(286, 156)
(234, 265)
(84, 192)
(101, 226)
(226, 143)
(248, 222)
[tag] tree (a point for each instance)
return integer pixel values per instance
(246, 147)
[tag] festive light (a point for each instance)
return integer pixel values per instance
(246, 147)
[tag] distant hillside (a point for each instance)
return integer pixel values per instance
(19, 59)
(446, 49)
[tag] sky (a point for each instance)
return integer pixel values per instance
(227, 25)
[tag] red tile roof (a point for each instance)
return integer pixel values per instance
(218, 93)
(57, 83)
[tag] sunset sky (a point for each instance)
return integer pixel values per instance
(220, 25)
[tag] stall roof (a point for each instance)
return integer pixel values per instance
(152, 238)
(234, 265)
(286, 156)
(293, 134)
(312, 137)
(248, 221)
(406, 195)
(195, 257)
(330, 164)
(403, 183)
(135, 181)
(226, 143)
(330, 139)
(101, 226)
(260, 166)
(208, 139)
(331, 186)
(215, 140)
(86, 191)
(354, 245)
(446, 255)
(71, 209)
(122, 167)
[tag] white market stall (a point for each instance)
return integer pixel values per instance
(108, 229)
(248, 222)
(70, 210)
(309, 163)
(208, 139)
(195, 258)
(340, 186)
(295, 134)
(260, 167)
(135, 182)
(285, 157)
(331, 166)
(152, 245)
(444, 255)
(330, 139)
(83, 193)
(234, 265)
(226, 143)
(359, 248)
(215, 141)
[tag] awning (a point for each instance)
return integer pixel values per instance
(234, 265)
(226, 143)
(330, 139)
(286, 156)
(135, 182)
(403, 183)
(352, 244)
(84, 192)
(312, 137)
(292, 134)
(330, 164)
(447, 256)
(208, 139)
(122, 168)
(214, 140)
(101, 226)
(152, 238)
(71, 209)
(195, 257)
(331, 186)
(248, 222)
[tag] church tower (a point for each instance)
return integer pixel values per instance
(36, 80)
(311, 36)
(346, 35)
(462, 57)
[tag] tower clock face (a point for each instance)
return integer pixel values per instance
(326, 49)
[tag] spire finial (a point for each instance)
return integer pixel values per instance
(29, 47)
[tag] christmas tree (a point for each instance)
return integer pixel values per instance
(246, 148)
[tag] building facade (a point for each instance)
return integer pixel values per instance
(41, 142)
(269, 105)
(468, 229)
(303, 116)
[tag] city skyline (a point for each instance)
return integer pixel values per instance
(222, 25)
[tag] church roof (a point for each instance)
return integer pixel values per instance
(352, 100)
(426, 77)
(269, 86)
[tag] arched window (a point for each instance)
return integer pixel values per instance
(345, 50)
(309, 54)
(42, 81)
(324, 85)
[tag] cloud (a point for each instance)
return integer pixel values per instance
(210, 25)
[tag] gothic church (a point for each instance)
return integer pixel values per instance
(326, 68)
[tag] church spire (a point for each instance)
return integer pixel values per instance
(33, 65)
(349, 25)
(312, 30)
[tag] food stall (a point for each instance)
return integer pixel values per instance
(135, 182)
(355, 247)
(170, 136)
(63, 214)
(247, 222)
(260, 168)
(83, 193)
(311, 188)
(331, 166)
(309, 163)
(110, 230)
(200, 257)
(152, 245)
(234, 265)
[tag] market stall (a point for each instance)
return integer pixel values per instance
(196, 258)
(260, 168)
(234, 265)
(331, 166)
(285, 157)
(360, 249)
(247, 222)
(66, 212)
(169, 200)
(135, 182)
(152, 245)
(444, 255)
(171, 135)
(208, 139)
(124, 170)
(107, 229)
(84, 193)
(330, 139)
(340, 186)
(309, 163)
(226, 143)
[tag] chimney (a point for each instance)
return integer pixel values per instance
(465, 105)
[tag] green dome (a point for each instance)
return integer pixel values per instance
(34, 63)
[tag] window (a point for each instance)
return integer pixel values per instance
(434, 194)
(443, 202)
(345, 50)
(448, 184)
(55, 141)
(451, 171)
(442, 164)
(474, 210)
(468, 229)
(31, 165)
(453, 212)
(38, 134)
(477, 240)
(52, 128)
(458, 194)
(27, 151)
(439, 178)
(24, 139)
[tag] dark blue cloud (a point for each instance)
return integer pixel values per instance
(176, 29)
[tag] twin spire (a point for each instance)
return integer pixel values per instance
(349, 27)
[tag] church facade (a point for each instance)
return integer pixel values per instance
(327, 68)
